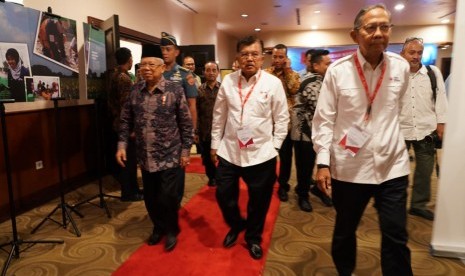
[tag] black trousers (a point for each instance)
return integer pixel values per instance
(285, 163)
(181, 186)
(127, 176)
(304, 163)
(260, 180)
(350, 201)
(160, 196)
(210, 168)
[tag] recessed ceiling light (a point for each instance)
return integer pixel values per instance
(257, 29)
(445, 21)
(317, 11)
(399, 7)
(314, 27)
(244, 15)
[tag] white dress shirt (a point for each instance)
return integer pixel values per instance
(419, 115)
(343, 103)
(265, 114)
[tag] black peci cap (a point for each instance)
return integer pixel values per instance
(151, 50)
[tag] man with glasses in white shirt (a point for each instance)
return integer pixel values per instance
(361, 153)
(250, 122)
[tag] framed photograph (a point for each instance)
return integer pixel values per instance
(224, 72)
(43, 88)
(56, 41)
(14, 68)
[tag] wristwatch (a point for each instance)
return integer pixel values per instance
(322, 166)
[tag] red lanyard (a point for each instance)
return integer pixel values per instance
(372, 97)
(243, 101)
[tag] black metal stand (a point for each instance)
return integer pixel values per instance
(101, 195)
(16, 242)
(66, 209)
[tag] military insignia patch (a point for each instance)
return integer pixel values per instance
(190, 79)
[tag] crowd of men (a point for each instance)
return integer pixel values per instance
(353, 119)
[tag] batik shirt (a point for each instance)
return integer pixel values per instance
(205, 103)
(119, 91)
(291, 81)
(162, 125)
(304, 108)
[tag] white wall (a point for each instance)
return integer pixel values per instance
(448, 238)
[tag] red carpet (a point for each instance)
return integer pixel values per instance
(199, 250)
(196, 165)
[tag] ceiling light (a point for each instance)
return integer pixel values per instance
(317, 11)
(445, 21)
(257, 29)
(399, 7)
(20, 2)
(244, 15)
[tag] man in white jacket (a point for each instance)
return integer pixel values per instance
(250, 122)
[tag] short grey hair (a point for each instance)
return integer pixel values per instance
(363, 11)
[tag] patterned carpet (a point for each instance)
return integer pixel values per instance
(300, 243)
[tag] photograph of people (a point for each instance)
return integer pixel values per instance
(46, 88)
(54, 40)
(15, 69)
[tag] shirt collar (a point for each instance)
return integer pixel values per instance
(160, 87)
(365, 63)
(253, 78)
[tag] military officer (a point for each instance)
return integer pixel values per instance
(176, 73)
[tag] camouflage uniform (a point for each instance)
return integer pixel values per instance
(184, 77)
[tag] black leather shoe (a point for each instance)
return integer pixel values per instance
(231, 238)
(211, 183)
(305, 205)
(170, 243)
(426, 214)
(154, 239)
(133, 198)
(255, 251)
(327, 201)
(282, 194)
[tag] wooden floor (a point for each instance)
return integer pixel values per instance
(300, 243)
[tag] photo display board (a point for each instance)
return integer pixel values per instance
(38, 55)
(94, 42)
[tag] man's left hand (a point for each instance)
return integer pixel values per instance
(185, 161)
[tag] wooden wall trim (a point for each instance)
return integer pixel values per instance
(127, 32)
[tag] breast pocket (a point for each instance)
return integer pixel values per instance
(352, 99)
(263, 102)
(391, 97)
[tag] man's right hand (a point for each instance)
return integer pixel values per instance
(213, 156)
(121, 157)
(323, 179)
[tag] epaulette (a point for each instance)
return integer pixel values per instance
(184, 69)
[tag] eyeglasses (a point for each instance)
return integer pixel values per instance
(150, 65)
(254, 55)
(371, 28)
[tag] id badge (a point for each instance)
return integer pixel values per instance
(244, 137)
(354, 140)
